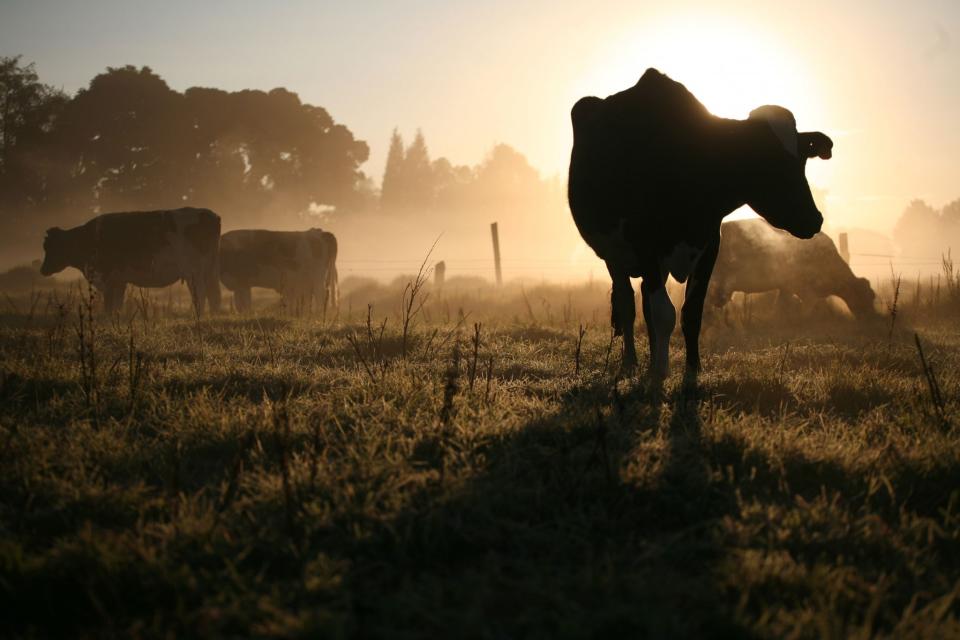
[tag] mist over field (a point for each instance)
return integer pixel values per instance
(304, 330)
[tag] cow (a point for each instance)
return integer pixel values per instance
(142, 248)
(300, 265)
(754, 258)
(653, 173)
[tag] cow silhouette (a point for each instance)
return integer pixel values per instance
(300, 265)
(142, 248)
(653, 173)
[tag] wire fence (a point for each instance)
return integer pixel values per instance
(359, 266)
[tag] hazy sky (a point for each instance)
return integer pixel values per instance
(883, 78)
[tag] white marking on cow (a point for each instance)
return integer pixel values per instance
(784, 128)
(664, 318)
(681, 261)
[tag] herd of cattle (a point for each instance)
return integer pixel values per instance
(652, 175)
(159, 248)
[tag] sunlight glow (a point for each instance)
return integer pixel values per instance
(731, 67)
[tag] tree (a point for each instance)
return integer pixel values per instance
(919, 232)
(29, 175)
(452, 185)
(505, 178)
(127, 132)
(28, 112)
(391, 191)
(128, 141)
(408, 179)
(419, 175)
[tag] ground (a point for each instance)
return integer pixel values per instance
(278, 477)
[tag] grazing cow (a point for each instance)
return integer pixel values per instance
(653, 173)
(300, 265)
(142, 248)
(754, 258)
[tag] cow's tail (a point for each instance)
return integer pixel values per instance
(332, 297)
(333, 288)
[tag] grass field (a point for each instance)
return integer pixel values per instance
(279, 477)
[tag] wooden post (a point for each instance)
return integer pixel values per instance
(439, 274)
(844, 248)
(496, 252)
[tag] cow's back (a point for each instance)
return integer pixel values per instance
(635, 163)
(133, 242)
(755, 257)
(262, 257)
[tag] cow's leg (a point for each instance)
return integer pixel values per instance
(113, 294)
(198, 292)
(624, 314)
(663, 318)
(691, 316)
(213, 286)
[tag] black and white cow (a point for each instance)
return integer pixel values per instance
(142, 248)
(300, 265)
(653, 173)
(755, 258)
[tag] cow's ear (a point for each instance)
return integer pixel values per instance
(815, 144)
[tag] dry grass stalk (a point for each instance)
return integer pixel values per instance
(582, 331)
(933, 385)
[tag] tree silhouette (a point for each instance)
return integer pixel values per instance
(29, 110)
(922, 231)
(419, 174)
(128, 141)
(504, 180)
(408, 178)
(391, 191)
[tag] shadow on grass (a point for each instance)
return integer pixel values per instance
(275, 388)
(550, 540)
(553, 535)
(18, 392)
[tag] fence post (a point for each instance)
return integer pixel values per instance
(496, 252)
(844, 248)
(439, 274)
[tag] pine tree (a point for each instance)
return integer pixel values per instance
(419, 174)
(392, 190)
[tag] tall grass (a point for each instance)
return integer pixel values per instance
(310, 479)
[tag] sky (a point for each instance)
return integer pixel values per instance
(881, 77)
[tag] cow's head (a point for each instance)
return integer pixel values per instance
(779, 191)
(56, 251)
(859, 297)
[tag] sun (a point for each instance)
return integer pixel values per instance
(731, 67)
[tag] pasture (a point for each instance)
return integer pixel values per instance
(479, 470)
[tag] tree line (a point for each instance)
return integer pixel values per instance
(127, 141)
(503, 181)
(926, 232)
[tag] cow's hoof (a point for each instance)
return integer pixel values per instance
(691, 380)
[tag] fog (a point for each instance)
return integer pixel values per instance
(289, 126)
